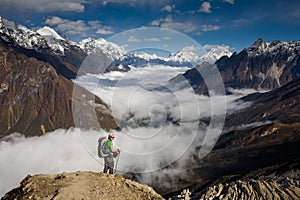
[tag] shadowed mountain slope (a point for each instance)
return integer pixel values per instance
(35, 99)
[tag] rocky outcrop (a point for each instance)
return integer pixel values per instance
(36, 99)
(283, 188)
(80, 185)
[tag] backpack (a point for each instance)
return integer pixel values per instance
(102, 147)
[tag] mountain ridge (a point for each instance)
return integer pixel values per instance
(261, 66)
(116, 57)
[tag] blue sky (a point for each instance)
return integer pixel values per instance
(237, 23)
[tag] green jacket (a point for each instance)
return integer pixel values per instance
(109, 144)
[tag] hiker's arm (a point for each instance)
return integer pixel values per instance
(112, 149)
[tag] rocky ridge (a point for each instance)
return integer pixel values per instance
(26, 38)
(80, 185)
(267, 188)
(261, 66)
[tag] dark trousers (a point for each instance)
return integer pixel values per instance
(108, 165)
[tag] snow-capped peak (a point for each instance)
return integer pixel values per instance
(21, 35)
(39, 40)
(215, 52)
(57, 43)
(49, 32)
(188, 54)
(260, 47)
(112, 50)
(197, 55)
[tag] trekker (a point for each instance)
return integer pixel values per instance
(112, 153)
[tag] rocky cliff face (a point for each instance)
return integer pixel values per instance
(35, 98)
(261, 66)
(267, 188)
(80, 185)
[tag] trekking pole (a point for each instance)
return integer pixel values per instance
(117, 162)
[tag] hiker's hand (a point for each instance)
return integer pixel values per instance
(119, 150)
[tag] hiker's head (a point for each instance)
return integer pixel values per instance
(111, 136)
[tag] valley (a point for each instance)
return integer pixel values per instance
(220, 124)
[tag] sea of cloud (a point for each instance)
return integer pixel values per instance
(159, 125)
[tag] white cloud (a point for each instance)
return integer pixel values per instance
(155, 22)
(159, 21)
(133, 39)
(187, 27)
(229, 1)
(132, 98)
(101, 29)
(95, 24)
(209, 27)
(208, 47)
(168, 8)
(167, 38)
(105, 30)
(45, 5)
(54, 20)
(169, 23)
(53, 153)
(152, 39)
(78, 27)
(205, 7)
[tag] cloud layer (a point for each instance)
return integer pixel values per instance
(170, 23)
(78, 27)
(143, 98)
(45, 5)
